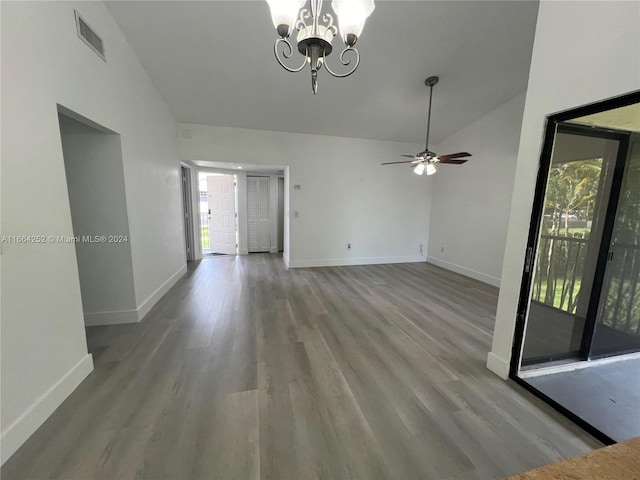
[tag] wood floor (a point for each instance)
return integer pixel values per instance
(247, 370)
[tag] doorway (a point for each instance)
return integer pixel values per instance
(98, 204)
(578, 334)
(218, 216)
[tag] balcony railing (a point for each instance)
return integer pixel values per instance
(620, 303)
(559, 271)
(559, 277)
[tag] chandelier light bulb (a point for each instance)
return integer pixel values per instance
(419, 169)
(351, 17)
(431, 169)
(284, 12)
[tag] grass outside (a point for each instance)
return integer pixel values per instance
(540, 293)
(204, 236)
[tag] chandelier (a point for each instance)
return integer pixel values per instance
(314, 39)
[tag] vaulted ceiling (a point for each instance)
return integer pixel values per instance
(212, 62)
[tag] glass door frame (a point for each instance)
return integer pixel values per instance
(552, 123)
(583, 351)
(555, 123)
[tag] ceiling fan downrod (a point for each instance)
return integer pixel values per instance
(429, 82)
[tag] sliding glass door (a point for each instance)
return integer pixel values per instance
(617, 327)
(574, 211)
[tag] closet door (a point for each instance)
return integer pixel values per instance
(258, 214)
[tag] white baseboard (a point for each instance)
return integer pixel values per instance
(498, 365)
(20, 430)
(468, 272)
(152, 299)
(93, 319)
(339, 262)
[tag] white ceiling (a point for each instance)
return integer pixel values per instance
(212, 62)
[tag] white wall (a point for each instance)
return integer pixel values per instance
(470, 206)
(583, 52)
(346, 196)
(44, 63)
(97, 197)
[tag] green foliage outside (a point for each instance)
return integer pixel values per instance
(570, 199)
(568, 216)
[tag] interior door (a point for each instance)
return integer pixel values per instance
(258, 221)
(222, 208)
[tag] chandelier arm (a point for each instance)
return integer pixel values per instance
(329, 23)
(286, 53)
(304, 14)
(344, 62)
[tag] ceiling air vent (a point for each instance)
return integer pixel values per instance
(91, 38)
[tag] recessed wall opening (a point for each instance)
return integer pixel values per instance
(98, 206)
(577, 342)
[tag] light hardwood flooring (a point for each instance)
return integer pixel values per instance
(247, 370)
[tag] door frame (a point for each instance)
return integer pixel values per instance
(187, 209)
(584, 350)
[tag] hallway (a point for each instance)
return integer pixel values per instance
(248, 370)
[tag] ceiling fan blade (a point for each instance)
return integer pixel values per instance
(452, 161)
(392, 163)
(454, 155)
(410, 156)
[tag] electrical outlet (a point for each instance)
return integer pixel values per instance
(348, 246)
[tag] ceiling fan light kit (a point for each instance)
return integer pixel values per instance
(315, 40)
(424, 162)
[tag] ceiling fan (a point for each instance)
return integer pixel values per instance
(424, 162)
